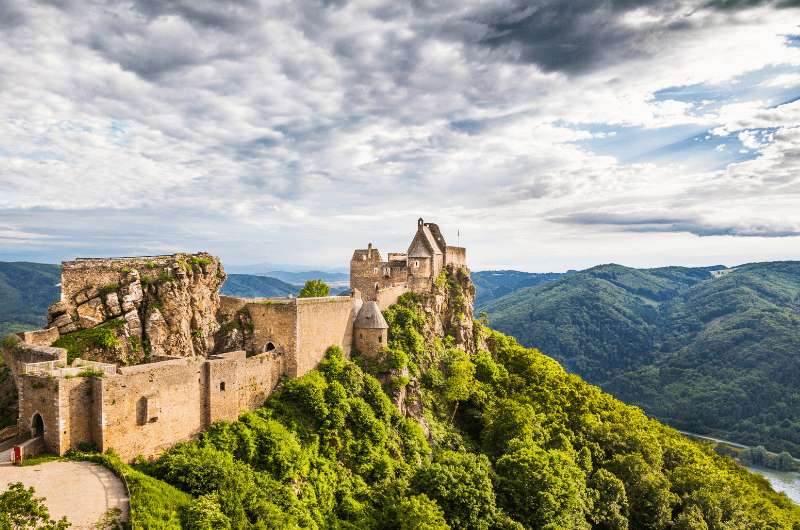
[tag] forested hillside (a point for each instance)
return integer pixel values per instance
(711, 355)
(491, 285)
(430, 436)
(26, 290)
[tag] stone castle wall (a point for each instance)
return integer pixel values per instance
(322, 322)
(150, 407)
(389, 295)
(455, 256)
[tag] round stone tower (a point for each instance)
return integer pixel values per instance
(370, 330)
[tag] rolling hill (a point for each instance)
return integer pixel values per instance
(26, 290)
(710, 353)
(490, 285)
(250, 286)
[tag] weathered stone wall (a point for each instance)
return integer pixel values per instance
(366, 271)
(237, 383)
(274, 322)
(387, 296)
(369, 342)
(75, 418)
(150, 407)
(420, 274)
(40, 395)
(322, 322)
(456, 256)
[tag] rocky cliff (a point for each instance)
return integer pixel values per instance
(127, 310)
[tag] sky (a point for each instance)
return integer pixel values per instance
(542, 135)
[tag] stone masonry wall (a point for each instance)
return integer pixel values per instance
(40, 395)
(274, 321)
(237, 383)
(456, 256)
(75, 420)
(389, 295)
(148, 408)
(322, 322)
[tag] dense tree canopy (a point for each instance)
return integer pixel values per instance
(709, 355)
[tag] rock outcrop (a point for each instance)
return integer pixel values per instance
(125, 310)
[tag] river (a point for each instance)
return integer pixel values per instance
(783, 481)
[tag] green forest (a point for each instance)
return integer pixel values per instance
(709, 355)
(513, 442)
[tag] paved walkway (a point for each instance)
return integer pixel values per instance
(82, 491)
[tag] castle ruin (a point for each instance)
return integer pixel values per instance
(141, 353)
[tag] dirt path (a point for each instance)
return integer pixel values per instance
(82, 491)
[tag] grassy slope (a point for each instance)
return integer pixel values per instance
(709, 355)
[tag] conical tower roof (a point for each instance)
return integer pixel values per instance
(370, 317)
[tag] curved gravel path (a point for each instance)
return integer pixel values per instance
(81, 491)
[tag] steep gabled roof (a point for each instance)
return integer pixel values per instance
(370, 317)
(424, 244)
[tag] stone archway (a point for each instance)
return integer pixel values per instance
(269, 347)
(37, 425)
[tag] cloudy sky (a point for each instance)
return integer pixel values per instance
(549, 134)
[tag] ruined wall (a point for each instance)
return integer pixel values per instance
(15, 357)
(237, 383)
(75, 407)
(322, 322)
(150, 407)
(456, 256)
(273, 321)
(389, 295)
(40, 394)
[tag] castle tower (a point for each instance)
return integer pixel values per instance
(370, 330)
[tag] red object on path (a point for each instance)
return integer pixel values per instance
(17, 454)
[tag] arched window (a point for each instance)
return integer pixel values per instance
(269, 347)
(222, 386)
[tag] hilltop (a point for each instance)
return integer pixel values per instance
(710, 350)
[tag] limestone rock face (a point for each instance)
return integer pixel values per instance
(164, 305)
(450, 307)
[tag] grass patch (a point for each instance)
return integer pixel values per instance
(199, 260)
(78, 343)
(39, 459)
(108, 289)
(91, 372)
(154, 504)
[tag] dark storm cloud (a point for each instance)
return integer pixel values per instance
(11, 15)
(640, 223)
(581, 35)
(743, 4)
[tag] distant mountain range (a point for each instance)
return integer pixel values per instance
(709, 350)
(250, 286)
